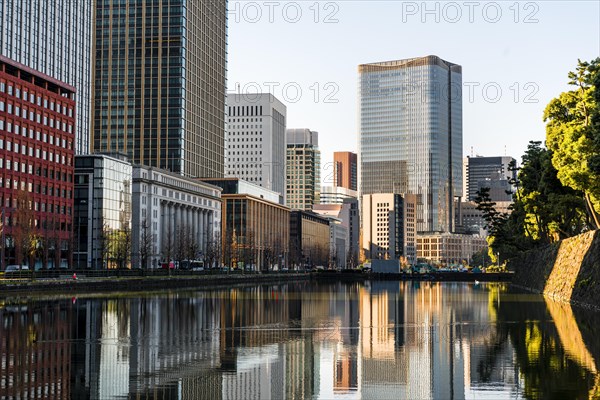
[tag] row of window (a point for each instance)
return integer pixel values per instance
(37, 99)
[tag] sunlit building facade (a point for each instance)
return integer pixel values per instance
(256, 140)
(303, 165)
(410, 134)
(159, 83)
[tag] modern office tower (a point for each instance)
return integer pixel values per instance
(37, 136)
(410, 134)
(389, 226)
(255, 140)
(336, 194)
(159, 83)
(490, 172)
(303, 166)
(345, 169)
(53, 38)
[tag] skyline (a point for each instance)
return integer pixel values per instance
(502, 59)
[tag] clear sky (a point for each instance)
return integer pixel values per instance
(515, 58)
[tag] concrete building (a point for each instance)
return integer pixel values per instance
(345, 170)
(309, 239)
(470, 220)
(255, 225)
(55, 39)
(410, 134)
(339, 239)
(347, 215)
(446, 247)
(37, 138)
(389, 226)
(102, 211)
(175, 218)
(490, 172)
(255, 140)
(336, 194)
(159, 83)
(303, 165)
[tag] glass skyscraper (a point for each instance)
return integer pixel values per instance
(159, 83)
(54, 38)
(410, 134)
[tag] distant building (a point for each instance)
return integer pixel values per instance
(336, 194)
(176, 218)
(389, 226)
(448, 247)
(255, 140)
(490, 172)
(410, 134)
(103, 211)
(346, 214)
(309, 239)
(470, 220)
(255, 227)
(303, 165)
(345, 170)
(37, 139)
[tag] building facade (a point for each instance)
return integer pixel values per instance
(345, 170)
(336, 194)
(309, 239)
(255, 140)
(159, 83)
(255, 225)
(448, 248)
(303, 166)
(255, 233)
(103, 211)
(176, 218)
(410, 134)
(389, 226)
(37, 139)
(54, 38)
(490, 172)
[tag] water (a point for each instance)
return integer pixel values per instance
(378, 340)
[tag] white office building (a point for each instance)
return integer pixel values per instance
(255, 140)
(169, 208)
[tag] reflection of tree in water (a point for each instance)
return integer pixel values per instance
(552, 364)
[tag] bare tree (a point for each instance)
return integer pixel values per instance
(24, 228)
(168, 247)
(212, 255)
(146, 243)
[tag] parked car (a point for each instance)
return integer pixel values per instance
(15, 268)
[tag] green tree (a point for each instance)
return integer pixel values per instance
(573, 135)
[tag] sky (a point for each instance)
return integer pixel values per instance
(515, 57)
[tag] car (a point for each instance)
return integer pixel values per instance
(15, 268)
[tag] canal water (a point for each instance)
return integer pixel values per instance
(305, 340)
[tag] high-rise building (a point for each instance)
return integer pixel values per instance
(159, 83)
(490, 172)
(37, 125)
(256, 140)
(410, 134)
(53, 38)
(389, 226)
(303, 164)
(345, 169)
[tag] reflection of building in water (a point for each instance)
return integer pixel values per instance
(35, 346)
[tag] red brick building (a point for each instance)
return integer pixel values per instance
(37, 132)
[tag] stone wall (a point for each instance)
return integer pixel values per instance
(567, 271)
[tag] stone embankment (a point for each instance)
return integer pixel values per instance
(567, 271)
